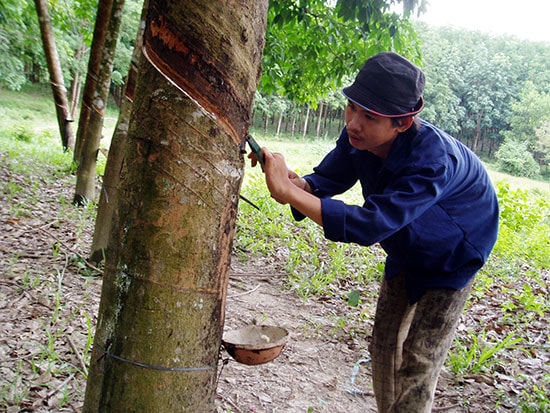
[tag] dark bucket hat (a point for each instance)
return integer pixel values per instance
(388, 85)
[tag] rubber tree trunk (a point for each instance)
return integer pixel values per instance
(91, 136)
(108, 198)
(76, 83)
(56, 76)
(162, 307)
(101, 28)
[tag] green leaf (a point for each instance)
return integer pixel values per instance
(353, 298)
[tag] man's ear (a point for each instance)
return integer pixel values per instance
(405, 123)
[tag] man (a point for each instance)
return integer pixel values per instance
(428, 202)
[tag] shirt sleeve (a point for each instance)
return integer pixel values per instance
(407, 195)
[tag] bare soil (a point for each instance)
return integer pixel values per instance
(49, 298)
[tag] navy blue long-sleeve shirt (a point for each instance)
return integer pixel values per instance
(430, 205)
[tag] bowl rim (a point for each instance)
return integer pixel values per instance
(258, 346)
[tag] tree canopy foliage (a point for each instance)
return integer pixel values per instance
(311, 45)
(486, 90)
(73, 23)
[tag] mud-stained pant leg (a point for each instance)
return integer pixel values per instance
(424, 351)
(391, 325)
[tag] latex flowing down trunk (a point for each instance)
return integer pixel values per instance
(161, 314)
(56, 75)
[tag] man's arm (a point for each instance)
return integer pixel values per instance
(286, 187)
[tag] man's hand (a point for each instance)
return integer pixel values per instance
(293, 176)
(278, 176)
(286, 187)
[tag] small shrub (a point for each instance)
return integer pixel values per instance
(22, 134)
(524, 226)
(514, 158)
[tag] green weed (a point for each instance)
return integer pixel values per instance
(12, 392)
(12, 189)
(478, 354)
(535, 396)
(531, 301)
(30, 281)
(23, 134)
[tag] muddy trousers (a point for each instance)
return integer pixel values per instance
(410, 344)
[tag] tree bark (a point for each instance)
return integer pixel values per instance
(306, 122)
(56, 75)
(161, 314)
(76, 84)
(293, 129)
(101, 28)
(108, 199)
(319, 119)
(91, 136)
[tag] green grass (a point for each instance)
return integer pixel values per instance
(32, 108)
(29, 130)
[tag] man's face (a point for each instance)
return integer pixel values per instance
(371, 132)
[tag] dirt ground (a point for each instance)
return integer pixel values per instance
(49, 299)
(314, 371)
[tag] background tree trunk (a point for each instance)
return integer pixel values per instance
(306, 122)
(279, 122)
(101, 28)
(108, 199)
(319, 120)
(56, 75)
(91, 136)
(76, 84)
(161, 314)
